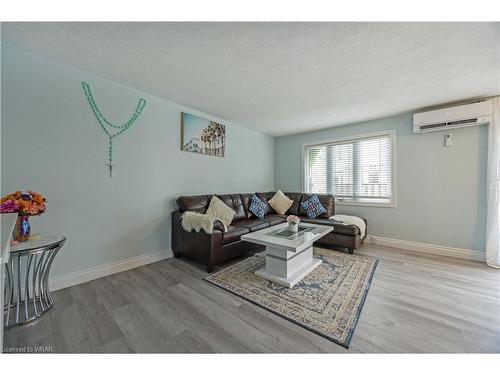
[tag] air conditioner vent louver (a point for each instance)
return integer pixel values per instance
(458, 122)
(438, 125)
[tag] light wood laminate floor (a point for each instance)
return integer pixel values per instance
(415, 304)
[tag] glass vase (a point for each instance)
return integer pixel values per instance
(22, 230)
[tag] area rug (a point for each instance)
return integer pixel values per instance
(328, 301)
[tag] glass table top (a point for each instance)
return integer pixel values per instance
(288, 234)
(280, 235)
(36, 241)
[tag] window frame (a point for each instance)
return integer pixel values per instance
(358, 202)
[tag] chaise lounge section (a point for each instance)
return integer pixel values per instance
(220, 246)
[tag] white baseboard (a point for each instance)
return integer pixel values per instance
(97, 272)
(420, 247)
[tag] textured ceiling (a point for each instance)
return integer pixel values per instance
(282, 78)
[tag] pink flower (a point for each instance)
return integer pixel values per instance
(9, 206)
(293, 219)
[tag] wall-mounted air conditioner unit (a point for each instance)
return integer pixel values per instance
(453, 117)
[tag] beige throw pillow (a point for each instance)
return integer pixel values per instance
(280, 202)
(220, 211)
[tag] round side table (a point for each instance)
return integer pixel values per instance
(27, 273)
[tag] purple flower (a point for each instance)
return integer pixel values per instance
(9, 206)
(25, 196)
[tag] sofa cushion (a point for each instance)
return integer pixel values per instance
(280, 202)
(350, 230)
(327, 201)
(252, 224)
(294, 208)
(195, 203)
(246, 198)
(220, 211)
(234, 233)
(265, 197)
(234, 202)
(258, 207)
(275, 219)
(313, 207)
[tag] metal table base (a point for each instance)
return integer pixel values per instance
(27, 294)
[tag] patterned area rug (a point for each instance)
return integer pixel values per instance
(328, 301)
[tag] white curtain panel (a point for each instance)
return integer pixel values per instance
(493, 192)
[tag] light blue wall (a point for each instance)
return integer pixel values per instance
(51, 143)
(440, 190)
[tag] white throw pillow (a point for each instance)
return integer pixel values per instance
(280, 202)
(220, 211)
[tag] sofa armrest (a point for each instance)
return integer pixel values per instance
(203, 247)
(199, 246)
(176, 231)
(219, 226)
(366, 230)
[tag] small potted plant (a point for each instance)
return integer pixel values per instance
(293, 223)
(26, 204)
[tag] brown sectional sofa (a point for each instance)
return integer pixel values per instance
(219, 246)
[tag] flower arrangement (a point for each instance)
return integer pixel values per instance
(292, 219)
(293, 223)
(23, 202)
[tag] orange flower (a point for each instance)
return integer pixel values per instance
(30, 202)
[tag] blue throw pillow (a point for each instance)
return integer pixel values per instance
(258, 207)
(313, 207)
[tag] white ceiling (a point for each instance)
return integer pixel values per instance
(282, 78)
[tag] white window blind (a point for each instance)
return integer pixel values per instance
(358, 169)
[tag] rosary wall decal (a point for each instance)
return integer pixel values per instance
(104, 122)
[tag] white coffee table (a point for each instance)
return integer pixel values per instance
(289, 256)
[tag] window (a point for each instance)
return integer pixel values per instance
(355, 170)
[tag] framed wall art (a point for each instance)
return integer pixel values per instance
(202, 136)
